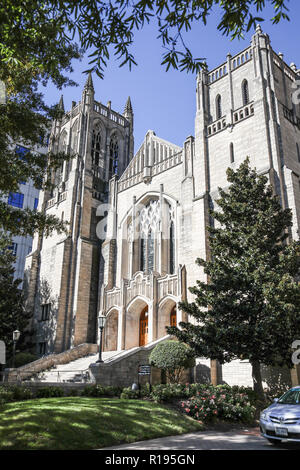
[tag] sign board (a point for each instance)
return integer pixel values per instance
(144, 370)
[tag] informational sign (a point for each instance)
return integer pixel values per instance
(144, 370)
(2, 353)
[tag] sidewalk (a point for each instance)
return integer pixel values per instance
(240, 439)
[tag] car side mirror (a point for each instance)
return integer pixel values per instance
(275, 400)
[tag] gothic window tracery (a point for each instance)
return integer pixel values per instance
(113, 156)
(96, 146)
(149, 225)
(171, 239)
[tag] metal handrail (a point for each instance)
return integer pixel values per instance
(37, 376)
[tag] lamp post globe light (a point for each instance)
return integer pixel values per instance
(101, 324)
(16, 336)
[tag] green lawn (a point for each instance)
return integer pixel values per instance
(86, 423)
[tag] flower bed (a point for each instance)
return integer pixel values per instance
(220, 402)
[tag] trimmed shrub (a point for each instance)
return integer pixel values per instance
(49, 392)
(23, 358)
(172, 357)
(130, 394)
(6, 395)
(100, 391)
(15, 393)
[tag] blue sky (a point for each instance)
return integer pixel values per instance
(165, 101)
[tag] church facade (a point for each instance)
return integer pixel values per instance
(138, 222)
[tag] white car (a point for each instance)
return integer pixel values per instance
(281, 421)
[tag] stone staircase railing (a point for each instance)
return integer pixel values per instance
(46, 362)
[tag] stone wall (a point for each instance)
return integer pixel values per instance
(123, 371)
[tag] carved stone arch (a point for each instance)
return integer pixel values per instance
(98, 124)
(165, 309)
(136, 324)
(115, 131)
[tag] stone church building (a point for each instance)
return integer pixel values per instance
(138, 222)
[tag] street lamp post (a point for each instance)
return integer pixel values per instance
(16, 336)
(101, 324)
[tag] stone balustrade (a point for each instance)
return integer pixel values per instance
(141, 285)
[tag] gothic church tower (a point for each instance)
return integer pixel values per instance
(63, 270)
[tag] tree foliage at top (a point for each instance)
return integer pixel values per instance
(101, 26)
(32, 51)
(37, 45)
(250, 306)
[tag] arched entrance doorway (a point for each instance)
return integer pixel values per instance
(173, 316)
(144, 327)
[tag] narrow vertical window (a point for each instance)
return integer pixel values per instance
(143, 254)
(245, 92)
(96, 143)
(231, 153)
(113, 156)
(218, 107)
(172, 248)
(150, 250)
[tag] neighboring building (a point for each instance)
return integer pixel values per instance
(26, 197)
(158, 203)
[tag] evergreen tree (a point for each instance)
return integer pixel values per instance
(250, 306)
(13, 315)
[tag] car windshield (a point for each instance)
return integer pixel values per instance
(292, 397)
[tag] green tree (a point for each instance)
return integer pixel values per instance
(172, 357)
(13, 315)
(37, 45)
(250, 306)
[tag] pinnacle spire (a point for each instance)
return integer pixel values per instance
(61, 103)
(128, 106)
(89, 82)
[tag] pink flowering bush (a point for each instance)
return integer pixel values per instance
(219, 402)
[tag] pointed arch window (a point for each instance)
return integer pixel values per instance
(113, 156)
(96, 146)
(245, 92)
(150, 252)
(143, 259)
(62, 148)
(149, 224)
(172, 248)
(219, 107)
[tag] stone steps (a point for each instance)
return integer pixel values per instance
(74, 371)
